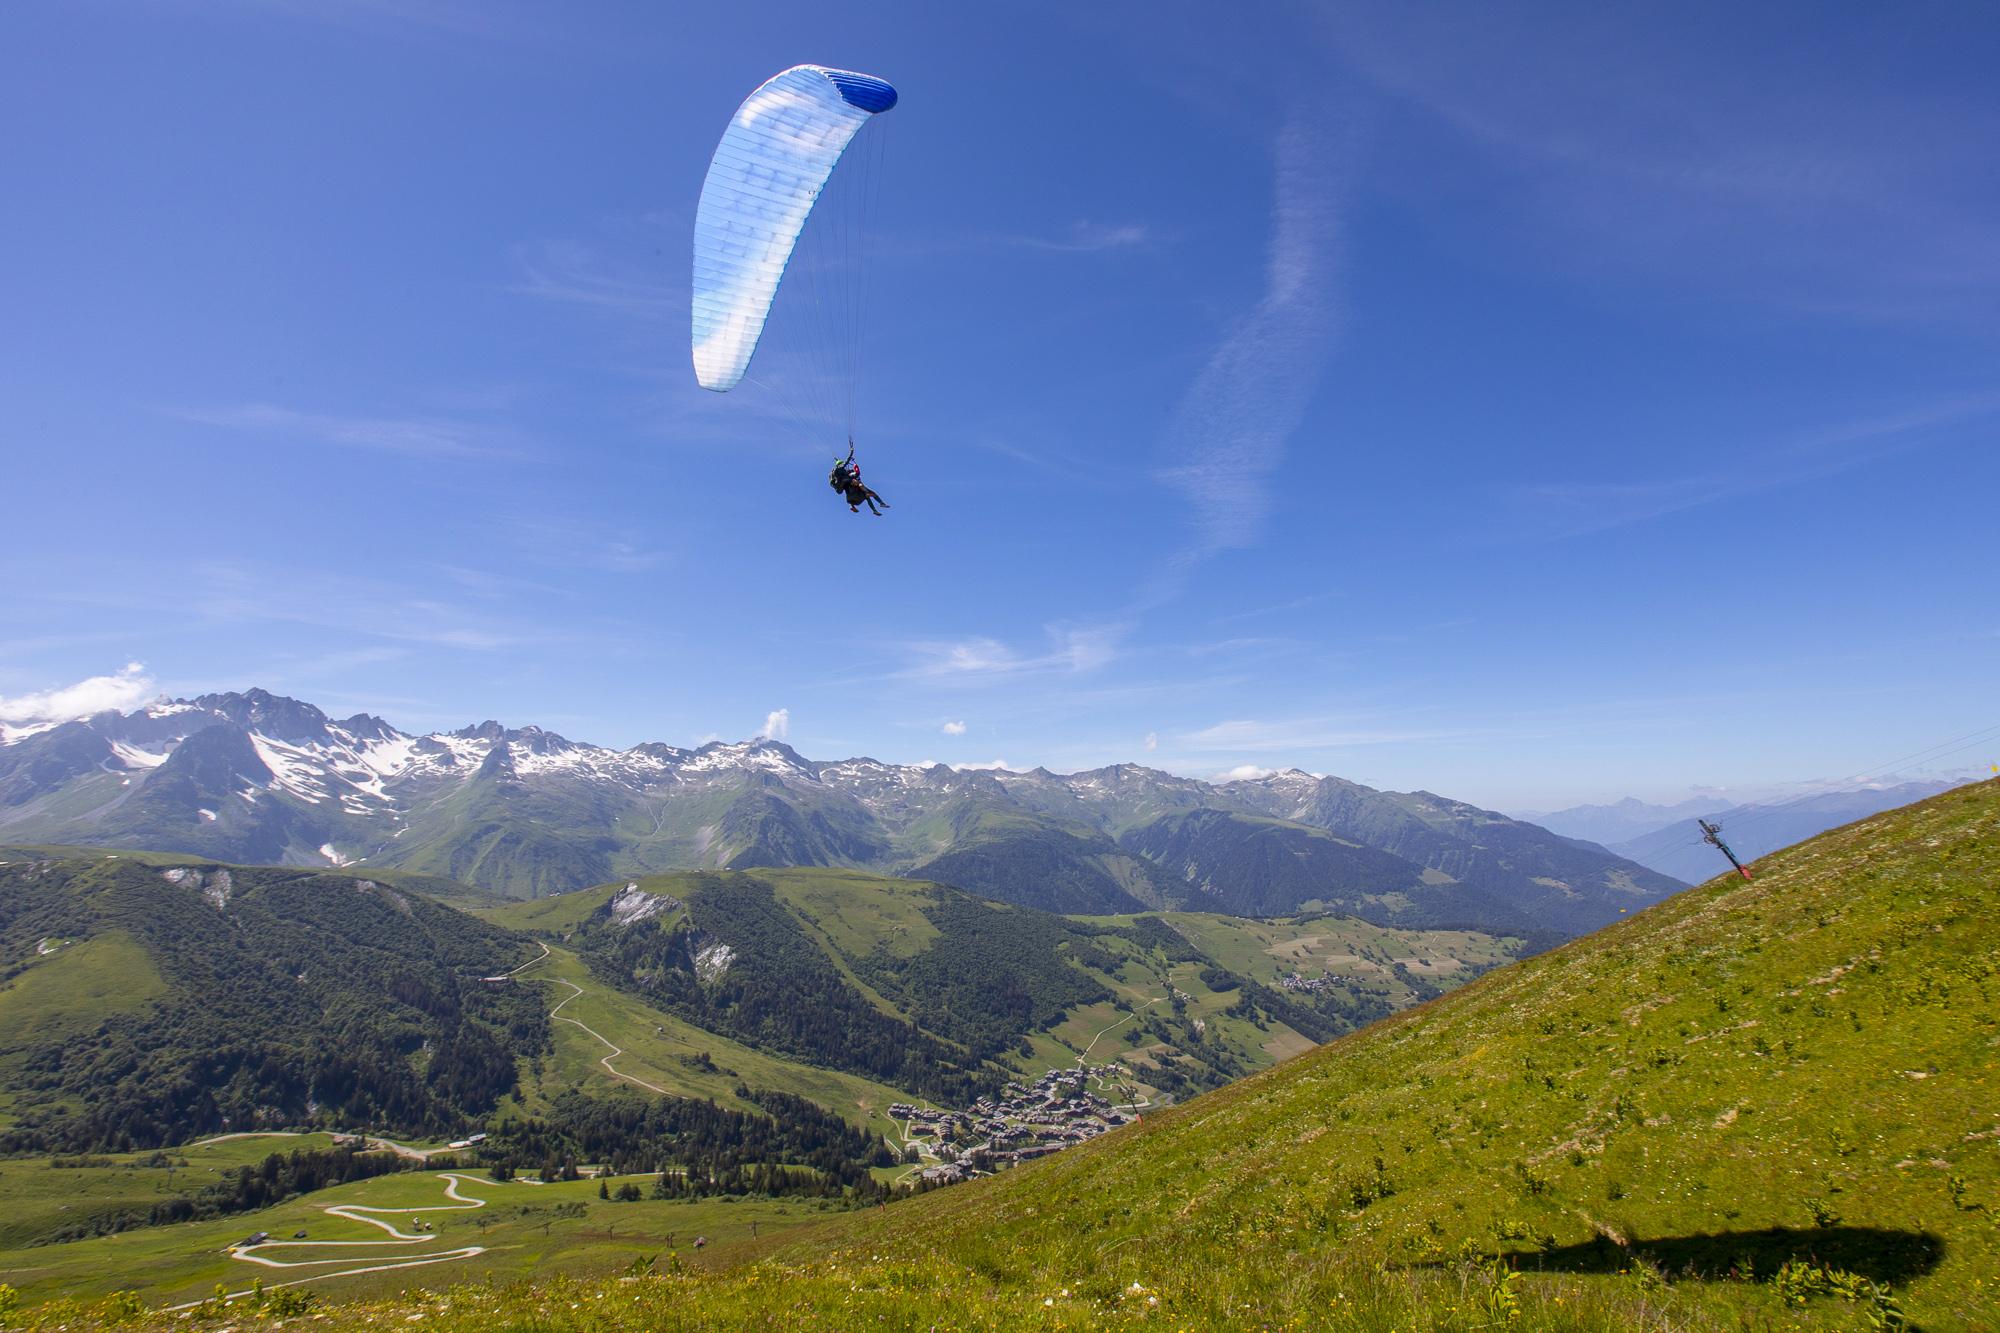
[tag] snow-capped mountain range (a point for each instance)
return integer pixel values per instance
(256, 777)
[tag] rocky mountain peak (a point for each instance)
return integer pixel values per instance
(268, 714)
(368, 727)
(498, 765)
(537, 741)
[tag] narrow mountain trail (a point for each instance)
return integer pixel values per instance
(611, 1046)
(539, 958)
(1083, 1056)
(376, 1260)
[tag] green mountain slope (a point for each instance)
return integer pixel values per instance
(1252, 865)
(1756, 1105)
(858, 982)
(1040, 862)
(1558, 883)
(143, 1004)
(919, 987)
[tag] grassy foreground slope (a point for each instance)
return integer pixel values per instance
(1658, 1119)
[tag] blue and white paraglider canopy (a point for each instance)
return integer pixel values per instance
(768, 173)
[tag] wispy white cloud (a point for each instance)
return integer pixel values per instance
(580, 274)
(1152, 740)
(1074, 467)
(417, 436)
(1301, 734)
(1633, 140)
(1082, 236)
(1230, 429)
(954, 728)
(333, 665)
(22, 646)
(1259, 645)
(437, 19)
(578, 545)
(777, 724)
(1085, 236)
(1274, 608)
(234, 593)
(1244, 773)
(1072, 649)
(126, 688)
(1571, 509)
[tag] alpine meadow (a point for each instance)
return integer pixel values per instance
(913, 667)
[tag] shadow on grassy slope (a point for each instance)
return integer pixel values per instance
(1877, 1253)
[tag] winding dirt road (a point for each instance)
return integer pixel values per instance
(375, 1261)
(609, 1045)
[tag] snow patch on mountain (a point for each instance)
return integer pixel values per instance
(747, 755)
(133, 757)
(333, 856)
(292, 769)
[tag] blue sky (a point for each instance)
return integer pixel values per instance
(1528, 403)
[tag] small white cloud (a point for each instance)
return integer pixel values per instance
(126, 689)
(777, 724)
(990, 766)
(954, 728)
(1246, 773)
(1152, 740)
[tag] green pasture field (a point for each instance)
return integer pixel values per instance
(37, 1196)
(523, 1228)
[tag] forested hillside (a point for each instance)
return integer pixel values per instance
(147, 1004)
